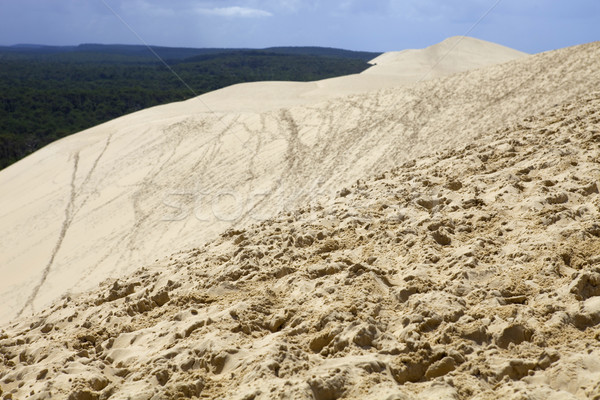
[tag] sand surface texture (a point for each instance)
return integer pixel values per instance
(472, 273)
(437, 239)
(118, 196)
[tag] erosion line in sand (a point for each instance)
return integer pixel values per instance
(90, 173)
(63, 231)
(96, 161)
(196, 96)
(461, 38)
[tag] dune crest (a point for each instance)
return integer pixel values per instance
(455, 54)
(392, 69)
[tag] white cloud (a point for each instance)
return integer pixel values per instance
(242, 12)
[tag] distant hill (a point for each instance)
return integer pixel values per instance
(141, 52)
(325, 51)
(135, 51)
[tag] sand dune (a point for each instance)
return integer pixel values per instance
(108, 200)
(456, 54)
(472, 273)
(94, 204)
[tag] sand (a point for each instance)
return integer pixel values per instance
(107, 200)
(437, 239)
(455, 54)
(472, 273)
(391, 69)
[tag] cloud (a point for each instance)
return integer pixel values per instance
(146, 8)
(241, 12)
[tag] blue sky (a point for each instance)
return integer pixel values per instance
(376, 25)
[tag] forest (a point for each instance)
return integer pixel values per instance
(50, 92)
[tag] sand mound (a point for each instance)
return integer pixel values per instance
(392, 69)
(455, 54)
(471, 273)
(103, 202)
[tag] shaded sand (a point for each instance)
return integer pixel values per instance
(472, 273)
(106, 201)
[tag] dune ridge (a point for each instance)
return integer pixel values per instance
(470, 273)
(441, 59)
(391, 69)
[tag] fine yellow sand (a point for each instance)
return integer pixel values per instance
(107, 200)
(436, 239)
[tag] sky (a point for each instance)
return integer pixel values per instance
(372, 25)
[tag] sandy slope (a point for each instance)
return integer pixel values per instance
(470, 273)
(102, 202)
(105, 201)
